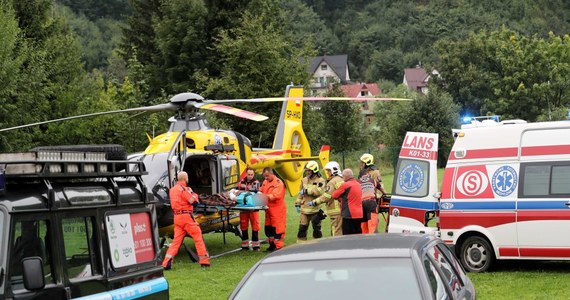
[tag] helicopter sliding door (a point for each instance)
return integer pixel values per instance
(229, 171)
(176, 158)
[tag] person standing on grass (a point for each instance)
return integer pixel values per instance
(334, 176)
(276, 213)
(249, 185)
(350, 195)
(182, 202)
(372, 192)
(312, 187)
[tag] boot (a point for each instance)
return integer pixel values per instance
(271, 247)
(245, 245)
(168, 265)
(255, 244)
(205, 261)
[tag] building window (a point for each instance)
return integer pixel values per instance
(324, 67)
(363, 93)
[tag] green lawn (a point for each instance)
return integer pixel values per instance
(510, 280)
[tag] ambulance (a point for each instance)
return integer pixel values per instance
(505, 192)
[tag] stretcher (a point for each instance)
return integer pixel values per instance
(213, 215)
(384, 209)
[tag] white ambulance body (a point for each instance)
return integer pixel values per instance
(505, 193)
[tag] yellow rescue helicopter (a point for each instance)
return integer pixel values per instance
(215, 159)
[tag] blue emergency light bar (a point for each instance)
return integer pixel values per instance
(469, 119)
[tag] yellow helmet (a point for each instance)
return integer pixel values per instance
(313, 166)
(367, 159)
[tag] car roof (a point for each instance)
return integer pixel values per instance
(353, 246)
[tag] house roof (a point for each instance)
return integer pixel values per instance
(339, 63)
(415, 77)
(353, 90)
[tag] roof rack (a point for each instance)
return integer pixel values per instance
(65, 164)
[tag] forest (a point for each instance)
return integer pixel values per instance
(69, 57)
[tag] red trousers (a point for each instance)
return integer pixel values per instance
(185, 224)
(276, 223)
(247, 217)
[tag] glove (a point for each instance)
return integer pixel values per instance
(312, 203)
(298, 209)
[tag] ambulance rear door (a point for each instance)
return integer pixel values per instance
(414, 201)
(543, 206)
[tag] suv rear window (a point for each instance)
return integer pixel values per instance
(130, 238)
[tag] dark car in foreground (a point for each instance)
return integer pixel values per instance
(384, 266)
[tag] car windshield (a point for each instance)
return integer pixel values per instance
(390, 278)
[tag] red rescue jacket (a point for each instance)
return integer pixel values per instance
(350, 195)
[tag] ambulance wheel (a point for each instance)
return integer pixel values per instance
(476, 254)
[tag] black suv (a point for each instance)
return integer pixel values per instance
(76, 224)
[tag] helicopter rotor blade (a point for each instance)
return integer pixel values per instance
(234, 111)
(281, 99)
(159, 107)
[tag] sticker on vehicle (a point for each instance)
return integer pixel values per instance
(504, 181)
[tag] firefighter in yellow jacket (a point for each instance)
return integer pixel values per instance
(334, 175)
(312, 187)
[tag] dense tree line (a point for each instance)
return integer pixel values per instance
(67, 58)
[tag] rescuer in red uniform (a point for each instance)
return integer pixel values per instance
(249, 184)
(350, 195)
(276, 214)
(182, 202)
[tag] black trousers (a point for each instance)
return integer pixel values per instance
(351, 226)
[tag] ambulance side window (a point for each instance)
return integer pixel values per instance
(80, 247)
(545, 180)
(536, 180)
(31, 238)
(560, 180)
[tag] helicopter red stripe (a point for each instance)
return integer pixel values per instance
(235, 111)
(257, 157)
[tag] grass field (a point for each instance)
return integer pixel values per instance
(509, 280)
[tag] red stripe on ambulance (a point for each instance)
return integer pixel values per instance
(457, 220)
(545, 252)
(545, 215)
(545, 150)
(487, 153)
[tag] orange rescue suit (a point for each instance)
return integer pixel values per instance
(181, 199)
(276, 214)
